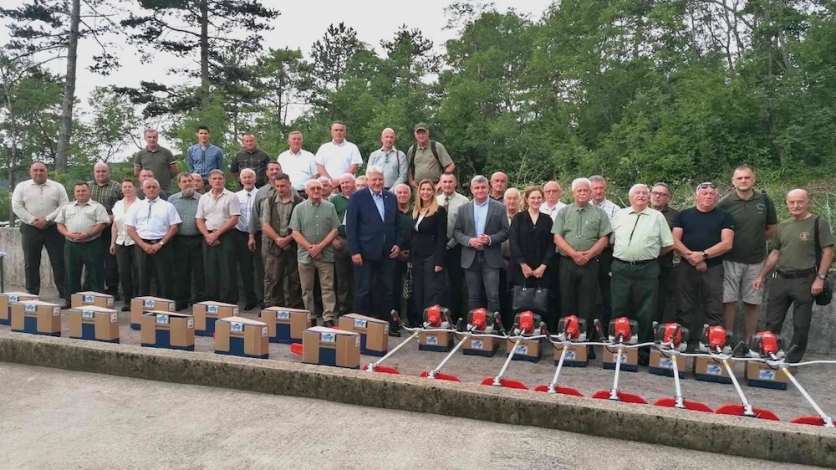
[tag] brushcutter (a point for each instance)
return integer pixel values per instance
(671, 340)
(622, 332)
(570, 329)
(526, 326)
(768, 349)
(715, 341)
(436, 373)
(435, 318)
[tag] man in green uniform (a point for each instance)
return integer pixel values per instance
(640, 236)
(798, 277)
(81, 223)
(343, 267)
(278, 247)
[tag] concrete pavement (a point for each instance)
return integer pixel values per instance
(54, 419)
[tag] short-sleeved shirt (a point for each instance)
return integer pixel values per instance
(609, 207)
(426, 166)
(337, 159)
(216, 210)
(581, 226)
(315, 222)
(81, 218)
(159, 161)
(639, 236)
(299, 167)
(702, 230)
(751, 217)
(277, 213)
(152, 219)
(187, 209)
(796, 244)
(394, 165)
(256, 160)
(105, 194)
(666, 260)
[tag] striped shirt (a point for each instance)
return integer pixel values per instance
(609, 208)
(187, 208)
(106, 194)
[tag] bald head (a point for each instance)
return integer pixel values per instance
(387, 138)
(798, 193)
(499, 183)
(101, 173)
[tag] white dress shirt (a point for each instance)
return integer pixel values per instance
(299, 167)
(152, 219)
(31, 200)
(246, 199)
(552, 211)
(337, 159)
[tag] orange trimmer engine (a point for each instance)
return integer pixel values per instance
(526, 323)
(766, 344)
(436, 316)
(672, 336)
(715, 339)
(624, 330)
(481, 321)
(571, 328)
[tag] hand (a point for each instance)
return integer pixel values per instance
(112, 249)
(403, 255)
(40, 223)
(579, 258)
(284, 242)
(485, 239)
(357, 259)
(757, 283)
(215, 243)
(315, 251)
(337, 244)
(156, 247)
(538, 273)
(394, 253)
(438, 269)
(818, 286)
(148, 248)
(210, 239)
(526, 270)
(694, 257)
(701, 266)
(475, 243)
(251, 242)
(83, 236)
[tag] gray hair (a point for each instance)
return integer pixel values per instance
(310, 183)
(153, 180)
(401, 184)
(374, 170)
(478, 179)
(347, 176)
(638, 186)
(248, 170)
(217, 172)
(597, 179)
(579, 181)
(324, 179)
(512, 191)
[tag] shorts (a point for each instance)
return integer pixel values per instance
(737, 283)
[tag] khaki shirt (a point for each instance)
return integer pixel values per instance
(215, 211)
(276, 213)
(81, 218)
(426, 165)
(580, 226)
(639, 236)
(315, 222)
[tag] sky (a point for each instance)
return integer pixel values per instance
(300, 24)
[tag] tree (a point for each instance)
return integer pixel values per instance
(330, 57)
(112, 121)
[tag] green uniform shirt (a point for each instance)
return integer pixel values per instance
(82, 218)
(426, 165)
(794, 240)
(277, 213)
(639, 236)
(340, 203)
(751, 216)
(315, 222)
(580, 226)
(157, 161)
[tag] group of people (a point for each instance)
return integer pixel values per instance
(304, 231)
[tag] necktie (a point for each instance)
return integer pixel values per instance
(446, 201)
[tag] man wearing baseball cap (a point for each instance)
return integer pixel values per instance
(428, 159)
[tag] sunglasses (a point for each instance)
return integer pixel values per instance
(707, 185)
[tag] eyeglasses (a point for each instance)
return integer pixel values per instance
(660, 194)
(707, 185)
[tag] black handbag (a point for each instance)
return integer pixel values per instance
(535, 299)
(826, 294)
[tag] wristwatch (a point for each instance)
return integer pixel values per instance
(821, 276)
(704, 255)
(161, 243)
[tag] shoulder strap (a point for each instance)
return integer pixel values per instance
(816, 243)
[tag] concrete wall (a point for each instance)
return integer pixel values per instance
(822, 334)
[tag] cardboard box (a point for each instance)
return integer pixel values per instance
(331, 347)
(629, 358)
(528, 350)
(661, 364)
(439, 341)
(236, 336)
(576, 356)
(374, 333)
(139, 305)
(207, 313)
(36, 317)
(476, 345)
(80, 299)
(286, 325)
(6, 301)
(162, 329)
(709, 369)
(761, 375)
(94, 323)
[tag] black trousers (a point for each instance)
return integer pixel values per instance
(784, 292)
(128, 261)
(579, 292)
(373, 288)
(428, 285)
(246, 264)
(455, 274)
(604, 280)
(159, 264)
(220, 265)
(699, 290)
(86, 255)
(33, 240)
(190, 282)
(666, 305)
(110, 268)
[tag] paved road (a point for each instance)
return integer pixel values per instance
(57, 419)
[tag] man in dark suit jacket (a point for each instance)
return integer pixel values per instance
(373, 232)
(481, 227)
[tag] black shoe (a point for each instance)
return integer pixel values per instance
(394, 333)
(262, 305)
(342, 312)
(66, 306)
(644, 360)
(314, 323)
(126, 308)
(181, 306)
(590, 353)
(328, 324)
(249, 306)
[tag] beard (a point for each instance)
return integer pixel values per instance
(188, 192)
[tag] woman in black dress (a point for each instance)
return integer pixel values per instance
(532, 242)
(429, 245)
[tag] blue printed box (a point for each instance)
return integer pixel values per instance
(94, 323)
(6, 301)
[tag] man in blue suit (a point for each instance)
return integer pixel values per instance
(373, 232)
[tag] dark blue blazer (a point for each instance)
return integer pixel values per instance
(366, 233)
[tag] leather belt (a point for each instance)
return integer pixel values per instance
(635, 263)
